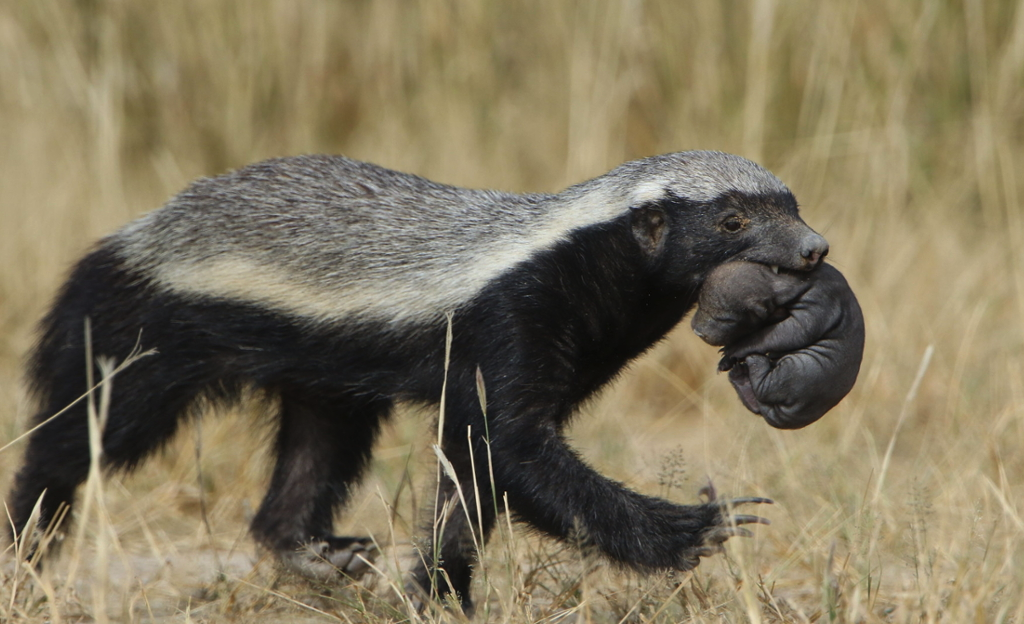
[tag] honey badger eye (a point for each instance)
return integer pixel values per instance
(732, 225)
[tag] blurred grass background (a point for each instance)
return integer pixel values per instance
(899, 124)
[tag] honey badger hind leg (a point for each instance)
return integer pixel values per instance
(161, 386)
(323, 446)
(58, 455)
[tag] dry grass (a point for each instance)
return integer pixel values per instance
(899, 125)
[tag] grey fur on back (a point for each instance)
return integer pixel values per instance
(329, 238)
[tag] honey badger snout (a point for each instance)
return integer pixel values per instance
(787, 244)
(813, 248)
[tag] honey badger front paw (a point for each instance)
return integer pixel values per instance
(726, 525)
(330, 557)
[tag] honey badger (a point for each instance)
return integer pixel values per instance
(326, 283)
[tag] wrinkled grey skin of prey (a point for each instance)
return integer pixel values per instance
(793, 341)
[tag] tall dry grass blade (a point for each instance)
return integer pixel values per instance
(476, 493)
(437, 526)
(201, 488)
(93, 495)
(393, 573)
(449, 470)
(444, 383)
(922, 368)
(95, 434)
(481, 393)
(1008, 508)
(44, 582)
(758, 76)
(18, 545)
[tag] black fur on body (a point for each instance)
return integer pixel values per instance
(325, 282)
(793, 341)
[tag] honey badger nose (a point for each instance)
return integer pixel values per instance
(813, 248)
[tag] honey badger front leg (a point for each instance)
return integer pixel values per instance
(552, 489)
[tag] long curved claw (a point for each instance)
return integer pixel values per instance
(719, 535)
(747, 519)
(744, 500)
(709, 551)
(709, 491)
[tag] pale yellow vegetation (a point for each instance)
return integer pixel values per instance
(899, 124)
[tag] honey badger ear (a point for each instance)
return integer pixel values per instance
(650, 227)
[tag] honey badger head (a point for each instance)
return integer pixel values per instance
(704, 208)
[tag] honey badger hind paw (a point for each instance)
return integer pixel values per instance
(331, 558)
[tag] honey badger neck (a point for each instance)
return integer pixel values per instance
(578, 311)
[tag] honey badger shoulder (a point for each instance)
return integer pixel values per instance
(325, 282)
